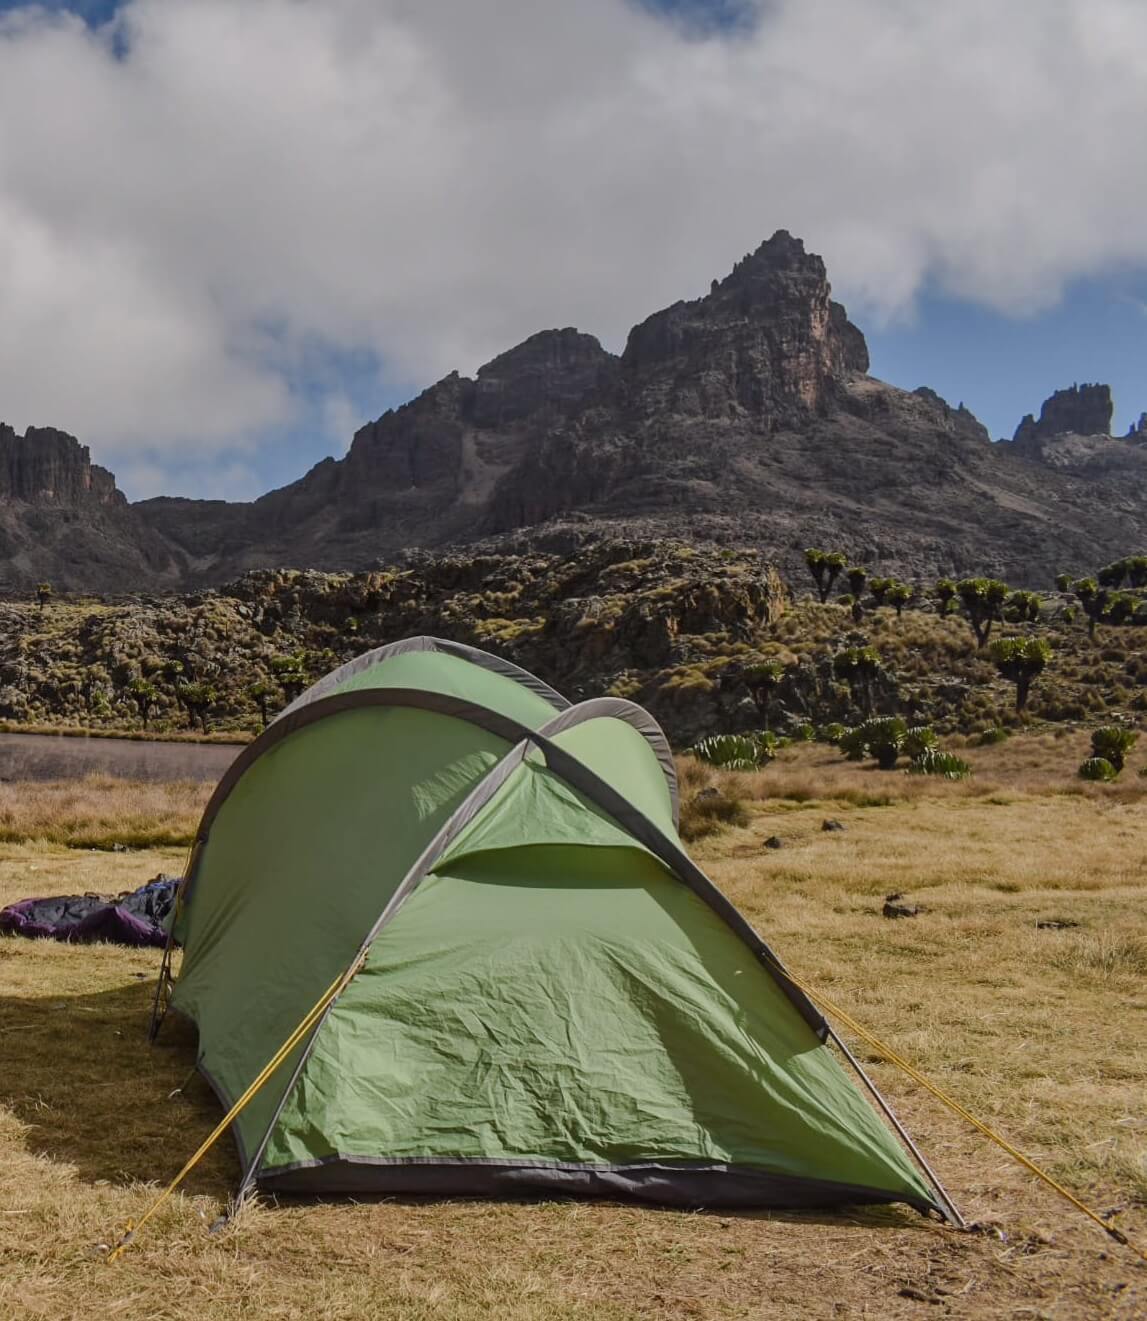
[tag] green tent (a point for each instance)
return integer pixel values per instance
(554, 998)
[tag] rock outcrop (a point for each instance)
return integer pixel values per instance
(1073, 437)
(1082, 410)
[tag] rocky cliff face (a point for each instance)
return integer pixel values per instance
(745, 417)
(49, 467)
(62, 519)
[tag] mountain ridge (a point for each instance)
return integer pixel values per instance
(744, 416)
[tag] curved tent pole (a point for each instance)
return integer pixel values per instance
(474, 655)
(444, 704)
(619, 708)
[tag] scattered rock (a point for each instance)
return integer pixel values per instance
(1056, 924)
(774, 842)
(829, 824)
(894, 909)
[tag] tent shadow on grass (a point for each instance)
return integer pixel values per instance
(78, 1070)
(80, 1073)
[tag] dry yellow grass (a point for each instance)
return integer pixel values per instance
(1040, 1029)
(98, 812)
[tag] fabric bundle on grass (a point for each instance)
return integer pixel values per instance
(135, 918)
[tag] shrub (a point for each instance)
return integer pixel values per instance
(983, 600)
(857, 577)
(882, 738)
(931, 761)
(762, 680)
(944, 594)
(879, 587)
(1098, 768)
(825, 569)
(735, 752)
(997, 734)
(1023, 606)
(858, 667)
(917, 739)
(852, 743)
(898, 596)
(1112, 743)
(708, 815)
(833, 733)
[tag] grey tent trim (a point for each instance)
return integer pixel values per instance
(618, 708)
(443, 704)
(680, 1183)
(474, 655)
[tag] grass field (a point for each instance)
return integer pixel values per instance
(1041, 1029)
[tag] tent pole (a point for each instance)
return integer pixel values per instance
(951, 1214)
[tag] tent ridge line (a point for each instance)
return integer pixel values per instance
(427, 642)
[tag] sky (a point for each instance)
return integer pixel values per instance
(235, 230)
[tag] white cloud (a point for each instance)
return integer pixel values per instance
(430, 182)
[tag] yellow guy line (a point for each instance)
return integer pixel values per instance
(915, 1074)
(821, 1001)
(334, 989)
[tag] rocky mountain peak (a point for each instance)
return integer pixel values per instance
(1082, 410)
(745, 417)
(778, 255)
(767, 341)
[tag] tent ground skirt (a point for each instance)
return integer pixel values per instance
(662, 1184)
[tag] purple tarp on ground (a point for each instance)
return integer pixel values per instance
(131, 919)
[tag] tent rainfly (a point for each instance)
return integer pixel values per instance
(552, 999)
